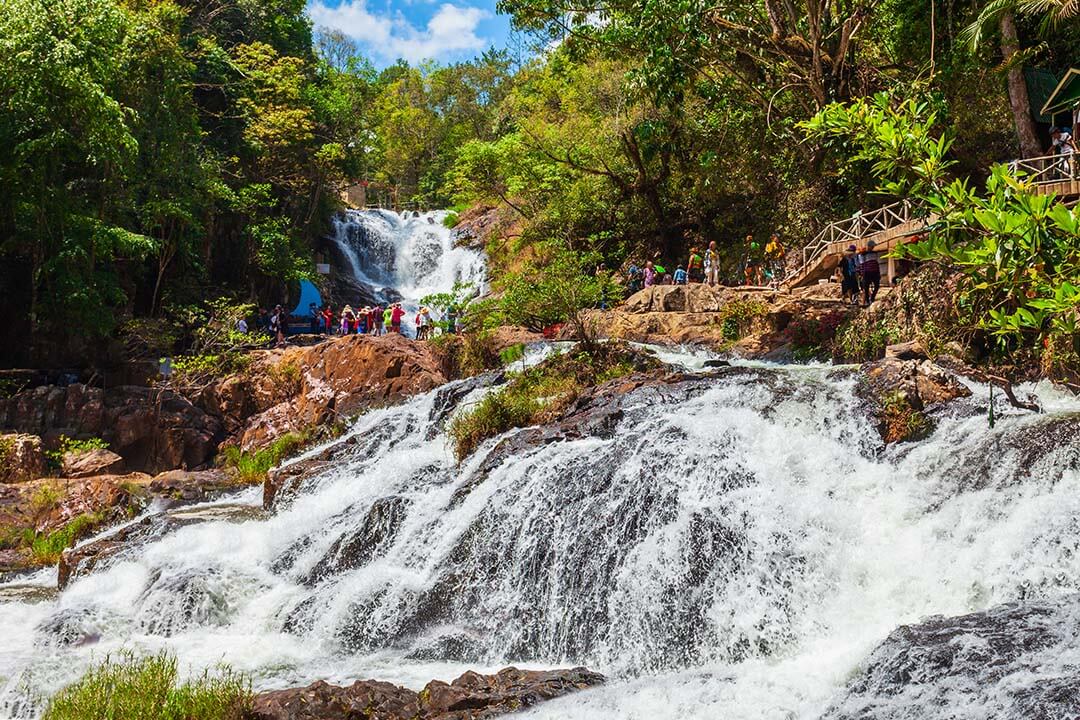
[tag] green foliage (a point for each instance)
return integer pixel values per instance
(812, 338)
(900, 421)
(217, 349)
(128, 687)
(558, 285)
(1018, 252)
(46, 497)
(55, 458)
(251, 467)
(540, 394)
(46, 548)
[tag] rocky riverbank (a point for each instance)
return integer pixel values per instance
(58, 482)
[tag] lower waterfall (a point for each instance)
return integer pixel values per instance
(735, 548)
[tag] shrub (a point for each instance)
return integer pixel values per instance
(812, 338)
(286, 379)
(46, 497)
(900, 421)
(737, 318)
(133, 688)
(55, 458)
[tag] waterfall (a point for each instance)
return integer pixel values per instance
(403, 256)
(734, 547)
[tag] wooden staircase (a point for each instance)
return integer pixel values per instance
(902, 222)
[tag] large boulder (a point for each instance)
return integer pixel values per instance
(1005, 662)
(900, 391)
(22, 458)
(87, 463)
(470, 697)
(298, 388)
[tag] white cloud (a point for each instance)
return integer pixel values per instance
(450, 30)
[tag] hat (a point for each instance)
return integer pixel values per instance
(424, 310)
(852, 248)
(870, 243)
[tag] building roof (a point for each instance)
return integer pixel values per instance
(1066, 95)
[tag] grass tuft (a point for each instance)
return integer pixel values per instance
(136, 688)
(251, 467)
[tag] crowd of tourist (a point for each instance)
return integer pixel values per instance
(759, 267)
(368, 320)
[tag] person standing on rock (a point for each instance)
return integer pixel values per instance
(279, 325)
(387, 313)
(775, 254)
(650, 274)
(328, 320)
(870, 273)
(849, 276)
(681, 276)
(712, 264)
(396, 314)
(695, 267)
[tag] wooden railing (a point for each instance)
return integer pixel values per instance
(854, 230)
(1046, 169)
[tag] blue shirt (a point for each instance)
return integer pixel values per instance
(680, 277)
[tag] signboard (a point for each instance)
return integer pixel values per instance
(322, 268)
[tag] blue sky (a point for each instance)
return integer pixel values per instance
(416, 30)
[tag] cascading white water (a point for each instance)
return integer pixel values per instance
(410, 254)
(734, 547)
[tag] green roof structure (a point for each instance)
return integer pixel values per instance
(1065, 96)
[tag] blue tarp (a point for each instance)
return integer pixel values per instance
(308, 294)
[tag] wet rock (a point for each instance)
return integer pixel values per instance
(910, 350)
(76, 562)
(899, 391)
(22, 458)
(1005, 662)
(87, 463)
(333, 380)
(357, 548)
(283, 483)
(185, 486)
(470, 697)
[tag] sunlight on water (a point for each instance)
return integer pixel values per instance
(736, 549)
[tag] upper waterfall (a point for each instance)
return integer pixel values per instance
(403, 256)
(735, 546)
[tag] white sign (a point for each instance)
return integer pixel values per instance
(322, 268)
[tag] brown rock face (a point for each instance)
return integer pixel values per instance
(88, 463)
(300, 387)
(22, 458)
(470, 697)
(151, 430)
(900, 390)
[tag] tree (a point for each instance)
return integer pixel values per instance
(559, 285)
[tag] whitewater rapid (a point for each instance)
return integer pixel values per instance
(735, 547)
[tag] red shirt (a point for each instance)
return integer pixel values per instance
(395, 315)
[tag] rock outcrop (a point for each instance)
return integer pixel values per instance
(982, 663)
(87, 463)
(299, 387)
(22, 458)
(748, 322)
(900, 391)
(470, 697)
(152, 430)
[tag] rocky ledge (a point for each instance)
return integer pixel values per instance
(470, 697)
(1013, 661)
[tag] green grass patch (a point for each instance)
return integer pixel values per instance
(251, 467)
(46, 548)
(137, 688)
(540, 394)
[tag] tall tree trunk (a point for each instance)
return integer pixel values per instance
(1018, 94)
